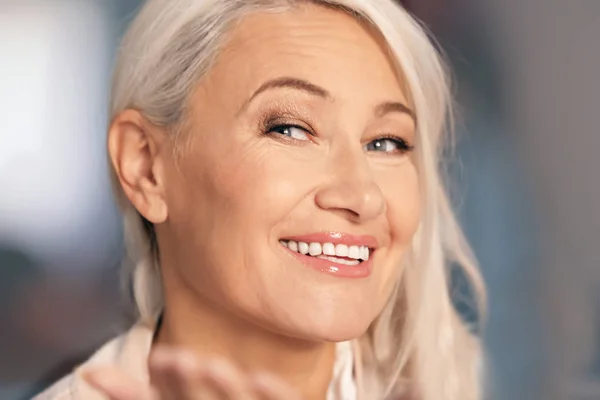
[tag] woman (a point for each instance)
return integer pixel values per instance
(276, 161)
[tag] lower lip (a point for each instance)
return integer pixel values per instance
(362, 270)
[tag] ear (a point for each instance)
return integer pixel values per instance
(134, 146)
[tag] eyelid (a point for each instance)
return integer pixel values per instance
(306, 132)
(274, 120)
(271, 126)
(285, 112)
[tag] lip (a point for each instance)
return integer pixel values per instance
(336, 238)
(362, 270)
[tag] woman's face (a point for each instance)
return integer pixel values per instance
(300, 131)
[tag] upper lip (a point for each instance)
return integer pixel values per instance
(336, 238)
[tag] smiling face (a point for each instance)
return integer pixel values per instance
(299, 140)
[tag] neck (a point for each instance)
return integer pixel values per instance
(211, 331)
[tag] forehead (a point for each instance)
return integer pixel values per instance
(319, 44)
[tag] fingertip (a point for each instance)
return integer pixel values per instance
(159, 356)
(186, 362)
(99, 376)
(103, 382)
(174, 361)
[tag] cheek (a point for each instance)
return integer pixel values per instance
(244, 194)
(228, 200)
(258, 185)
(403, 199)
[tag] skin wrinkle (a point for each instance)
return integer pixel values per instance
(230, 180)
(234, 192)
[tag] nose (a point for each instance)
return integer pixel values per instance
(350, 188)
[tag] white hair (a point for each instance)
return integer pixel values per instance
(419, 342)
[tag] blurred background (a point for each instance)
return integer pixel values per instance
(525, 185)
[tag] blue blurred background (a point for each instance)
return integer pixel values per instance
(525, 185)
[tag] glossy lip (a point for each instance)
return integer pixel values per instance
(362, 270)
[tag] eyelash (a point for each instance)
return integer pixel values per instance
(271, 125)
(402, 144)
(270, 129)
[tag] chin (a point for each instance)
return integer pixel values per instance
(339, 329)
(342, 335)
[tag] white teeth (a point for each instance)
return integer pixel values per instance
(303, 248)
(339, 260)
(315, 249)
(341, 250)
(354, 252)
(329, 249)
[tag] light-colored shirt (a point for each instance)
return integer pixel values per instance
(130, 353)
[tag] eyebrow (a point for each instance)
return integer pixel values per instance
(394, 106)
(293, 83)
(305, 86)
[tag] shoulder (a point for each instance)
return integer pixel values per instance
(61, 390)
(67, 387)
(128, 351)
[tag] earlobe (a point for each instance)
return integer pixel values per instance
(134, 149)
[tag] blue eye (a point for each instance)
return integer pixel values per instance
(292, 131)
(388, 145)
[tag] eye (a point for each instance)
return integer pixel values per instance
(389, 145)
(291, 131)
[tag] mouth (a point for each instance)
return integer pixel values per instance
(337, 254)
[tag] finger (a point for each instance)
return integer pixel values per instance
(225, 380)
(268, 387)
(117, 385)
(174, 373)
(206, 390)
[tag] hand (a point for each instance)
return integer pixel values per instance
(179, 375)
